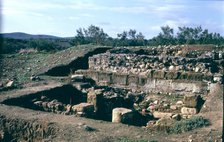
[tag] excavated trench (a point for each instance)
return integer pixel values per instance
(57, 100)
(66, 94)
(78, 63)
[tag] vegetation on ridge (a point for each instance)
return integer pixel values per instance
(96, 36)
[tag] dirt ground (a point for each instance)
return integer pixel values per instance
(78, 129)
(71, 128)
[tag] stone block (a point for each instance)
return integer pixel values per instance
(68, 108)
(188, 111)
(83, 107)
(122, 115)
(172, 75)
(191, 100)
(82, 85)
(132, 79)
(195, 76)
(159, 74)
(158, 114)
(77, 78)
(105, 76)
(120, 79)
(10, 83)
(179, 104)
(218, 78)
(38, 103)
(95, 97)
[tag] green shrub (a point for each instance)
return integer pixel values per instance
(189, 124)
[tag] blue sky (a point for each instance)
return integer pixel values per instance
(63, 17)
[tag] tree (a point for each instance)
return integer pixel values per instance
(80, 37)
(140, 39)
(185, 35)
(123, 38)
(132, 34)
(165, 37)
(96, 34)
(93, 35)
(167, 32)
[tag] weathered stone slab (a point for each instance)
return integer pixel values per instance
(83, 107)
(77, 78)
(189, 111)
(158, 114)
(122, 115)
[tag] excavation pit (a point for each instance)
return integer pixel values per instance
(66, 94)
(68, 100)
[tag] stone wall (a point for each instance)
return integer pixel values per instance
(143, 64)
(155, 82)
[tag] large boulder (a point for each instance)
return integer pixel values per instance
(122, 115)
(83, 108)
(189, 111)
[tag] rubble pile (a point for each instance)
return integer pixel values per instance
(45, 104)
(99, 103)
(124, 106)
(136, 64)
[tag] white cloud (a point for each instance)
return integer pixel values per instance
(164, 10)
(177, 23)
(73, 17)
(142, 15)
(86, 15)
(83, 5)
(139, 9)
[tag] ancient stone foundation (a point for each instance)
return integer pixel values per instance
(141, 87)
(151, 84)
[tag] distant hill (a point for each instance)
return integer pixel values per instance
(20, 35)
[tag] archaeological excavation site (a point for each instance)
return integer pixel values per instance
(165, 93)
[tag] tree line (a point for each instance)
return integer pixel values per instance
(184, 35)
(96, 35)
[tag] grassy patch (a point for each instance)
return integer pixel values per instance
(189, 124)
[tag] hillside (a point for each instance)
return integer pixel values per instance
(20, 35)
(21, 66)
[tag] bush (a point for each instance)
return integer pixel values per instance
(189, 124)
